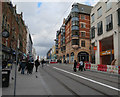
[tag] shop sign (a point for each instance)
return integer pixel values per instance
(108, 52)
(95, 48)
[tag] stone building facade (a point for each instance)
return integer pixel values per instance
(105, 32)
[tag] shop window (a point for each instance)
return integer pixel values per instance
(100, 28)
(99, 11)
(82, 43)
(82, 34)
(109, 23)
(93, 18)
(119, 16)
(93, 32)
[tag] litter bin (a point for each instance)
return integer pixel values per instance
(5, 77)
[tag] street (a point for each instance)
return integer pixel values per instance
(59, 79)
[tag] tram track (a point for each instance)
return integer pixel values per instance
(64, 85)
(100, 78)
(106, 95)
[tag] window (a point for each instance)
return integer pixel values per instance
(99, 12)
(93, 32)
(109, 24)
(99, 28)
(75, 41)
(108, 5)
(82, 17)
(75, 23)
(119, 16)
(92, 18)
(82, 43)
(82, 34)
(82, 25)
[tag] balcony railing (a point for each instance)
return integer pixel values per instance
(75, 28)
(75, 19)
(75, 9)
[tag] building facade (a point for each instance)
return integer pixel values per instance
(105, 32)
(73, 38)
(29, 46)
(49, 54)
(14, 24)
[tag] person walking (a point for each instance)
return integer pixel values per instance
(23, 65)
(75, 64)
(42, 62)
(37, 63)
(81, 66)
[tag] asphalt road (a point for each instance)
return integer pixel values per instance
(60, 79)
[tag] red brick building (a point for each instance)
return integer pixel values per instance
(75, 31)
(14, 24)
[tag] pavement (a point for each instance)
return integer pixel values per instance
(49, 81)
(25, 84)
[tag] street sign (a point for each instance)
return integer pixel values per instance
(5, 34)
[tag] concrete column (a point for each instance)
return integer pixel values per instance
(116, 38)
(97, 53)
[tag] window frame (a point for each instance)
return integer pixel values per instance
(83, 35)
(108, 3)
(83, 25)
(100, 28)
(82, 43)
(118, 15)
(109, 25)
(92, 18)
(99, 12)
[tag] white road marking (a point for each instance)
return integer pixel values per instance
(88, 79)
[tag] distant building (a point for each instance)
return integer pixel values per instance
(29, 46)
(34, 53)
(73, 38)
(49, 54)
(53, 55)
(105, 32)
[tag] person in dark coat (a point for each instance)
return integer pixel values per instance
(75, 64)
(37, 64)
(4, 63)
(42, 62)
(23, 65)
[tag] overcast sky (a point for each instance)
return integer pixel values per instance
(44, 19)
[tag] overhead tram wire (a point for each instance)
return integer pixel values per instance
(64, 13)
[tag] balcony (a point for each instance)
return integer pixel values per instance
(75, 19)
(75, 36)
(75, 9)
(74, 46)
(75, 28)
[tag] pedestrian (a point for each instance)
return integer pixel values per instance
(4, 63)
(23, 65)
(19, 68)
(37, 63)
(42, 62)
(75, 64)
(81, 66)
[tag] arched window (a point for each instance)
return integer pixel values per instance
(72, 57)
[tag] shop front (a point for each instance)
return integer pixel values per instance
(83, 56)
(106, 51)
